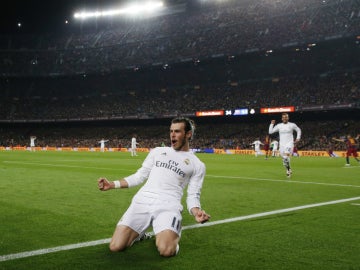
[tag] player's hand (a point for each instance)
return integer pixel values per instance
(273, 122)
(103, 184)
(201, 216)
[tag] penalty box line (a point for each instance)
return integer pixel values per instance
(211, 223)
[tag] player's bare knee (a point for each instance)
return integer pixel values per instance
(115, 247)
(167, 252)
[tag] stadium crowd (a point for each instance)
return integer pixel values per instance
(220, 134)
(234, 28)
(100, 98)
(249, 54)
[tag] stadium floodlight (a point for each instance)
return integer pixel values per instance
(135, 9)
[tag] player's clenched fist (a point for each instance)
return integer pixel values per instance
(103, 184)
(200, 215)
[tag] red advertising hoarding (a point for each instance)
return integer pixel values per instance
(277, 109)
(210, 113)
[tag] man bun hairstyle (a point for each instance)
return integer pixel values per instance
(189, 125)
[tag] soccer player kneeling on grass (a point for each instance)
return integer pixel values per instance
(168, 170)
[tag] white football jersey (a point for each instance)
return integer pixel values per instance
(133, 142)
(257, 144)
(275, 145)
(286, 132)
(168, 172)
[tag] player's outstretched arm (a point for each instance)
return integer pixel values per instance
(200, 215)
(104, 184)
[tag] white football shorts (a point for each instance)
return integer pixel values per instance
(161, 215)
(286, 148)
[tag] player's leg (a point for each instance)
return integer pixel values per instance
(284, 156)
(348, 154)
(347, 161)
(286, 161)
(285, 153)
(122, 238)
(355, 155)
(132, 224)
(167, 229)
(167, 243)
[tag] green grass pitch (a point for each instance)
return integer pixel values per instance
(50, 199)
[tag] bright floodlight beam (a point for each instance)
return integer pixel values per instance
(147, 7)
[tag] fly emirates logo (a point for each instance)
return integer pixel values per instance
(171, 165)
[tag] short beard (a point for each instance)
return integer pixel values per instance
(183, 142)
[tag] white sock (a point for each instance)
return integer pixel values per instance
(286, 162)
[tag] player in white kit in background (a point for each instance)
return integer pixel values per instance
(102, 144)
(133, 146)
(32, 143)
(286, 139)
(257, 144)
(168, 171)
(274, 148)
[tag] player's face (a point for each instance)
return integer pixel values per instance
(285, 118)
(178, 138)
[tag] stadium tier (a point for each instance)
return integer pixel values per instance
(204, 57)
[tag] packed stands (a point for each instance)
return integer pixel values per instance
(249, 54)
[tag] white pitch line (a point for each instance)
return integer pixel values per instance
(280, 211)
(351, 167)
(52, 250)
(61, 165)
(211, 223)
(214, 176)
(277, 180)
(208, 175)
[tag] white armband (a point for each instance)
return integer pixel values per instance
(117, 184)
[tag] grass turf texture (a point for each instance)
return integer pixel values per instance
(51, 199)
